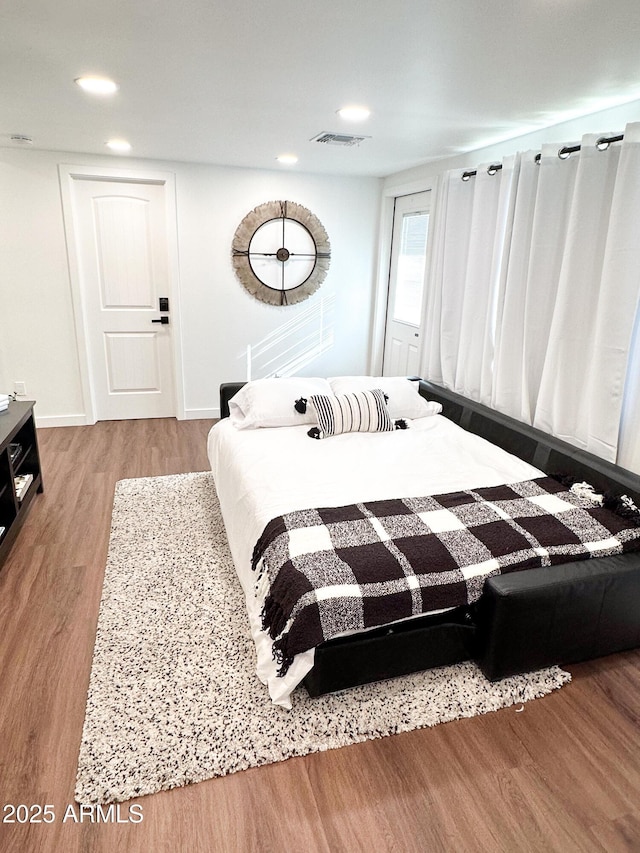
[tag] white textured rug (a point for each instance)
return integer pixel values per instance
(173, 698)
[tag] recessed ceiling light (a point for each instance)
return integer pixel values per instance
(287, 159)
(119, 146)
(354, 113)
(97, 85)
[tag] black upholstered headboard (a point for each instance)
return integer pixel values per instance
(549, 454)
(227, 391)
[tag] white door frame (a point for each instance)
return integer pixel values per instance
(406, 333)
(69, 174)
(381, 294)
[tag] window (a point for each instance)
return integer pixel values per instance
(410, 276)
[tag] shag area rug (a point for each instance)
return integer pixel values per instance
(173, 697)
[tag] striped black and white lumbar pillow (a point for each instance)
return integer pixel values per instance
(360, 411)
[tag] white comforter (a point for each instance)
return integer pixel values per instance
(264, 473)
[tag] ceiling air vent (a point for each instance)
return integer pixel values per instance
(21, 139)
(338, 138)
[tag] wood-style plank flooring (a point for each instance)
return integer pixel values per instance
(561, 775)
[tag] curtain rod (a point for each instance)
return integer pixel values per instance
(563, 153)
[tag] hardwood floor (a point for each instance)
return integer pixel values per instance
(561, 775)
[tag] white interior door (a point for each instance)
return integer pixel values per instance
(121, 249)
(403, 328)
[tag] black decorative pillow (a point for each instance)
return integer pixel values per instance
(361, 411)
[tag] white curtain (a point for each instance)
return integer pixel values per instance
(530, 279)
(533, 292)
(622, 288)
(629, 442)
(449, 239)
(469, 239)
(582, 381)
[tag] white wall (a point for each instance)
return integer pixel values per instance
(37, 333)
(219, 319)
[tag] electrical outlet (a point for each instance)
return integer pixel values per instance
(20, 389)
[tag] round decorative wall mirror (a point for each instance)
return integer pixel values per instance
(281, 252)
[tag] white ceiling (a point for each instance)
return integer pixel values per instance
(237, 82)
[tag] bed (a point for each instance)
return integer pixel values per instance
(520, 620)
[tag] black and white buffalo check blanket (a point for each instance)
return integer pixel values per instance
(342, 569)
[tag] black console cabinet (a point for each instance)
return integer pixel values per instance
(19, 458)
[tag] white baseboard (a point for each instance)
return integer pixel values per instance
(43, 421)
(200, 414)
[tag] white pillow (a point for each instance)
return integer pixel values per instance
(271, 402)
(362, 411)
(404, 400)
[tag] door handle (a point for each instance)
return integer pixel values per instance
(163, 320)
